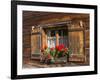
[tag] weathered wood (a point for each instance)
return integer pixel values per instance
(32, 18)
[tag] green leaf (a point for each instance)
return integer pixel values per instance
(60, 54)
(69, 52)
(53, 53)
(47, 51)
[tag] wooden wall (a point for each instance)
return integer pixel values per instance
(26, 43)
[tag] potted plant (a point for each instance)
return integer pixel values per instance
(55, 54)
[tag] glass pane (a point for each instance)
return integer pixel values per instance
(60, 32)
(53, 33)
(52, 42)
(63, 37)
(49, 33)
(51, 38)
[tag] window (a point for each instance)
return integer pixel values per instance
(57, 37)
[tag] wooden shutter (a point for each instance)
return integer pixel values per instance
(76, 43)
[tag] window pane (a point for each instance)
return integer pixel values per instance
(51, 38)
(60, 32)
(52, 33)
(63, 37)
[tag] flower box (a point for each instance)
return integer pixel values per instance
(59, 54)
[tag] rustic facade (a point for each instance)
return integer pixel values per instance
(51, 29)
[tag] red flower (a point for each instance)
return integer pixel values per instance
(66, 49)
(52, 48)
(49, 56)
(60, 47)
(57, 47)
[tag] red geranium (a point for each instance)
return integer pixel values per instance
(52, 48)
(57, 47)
(60, 47)
(49, 56)
(65, 50)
